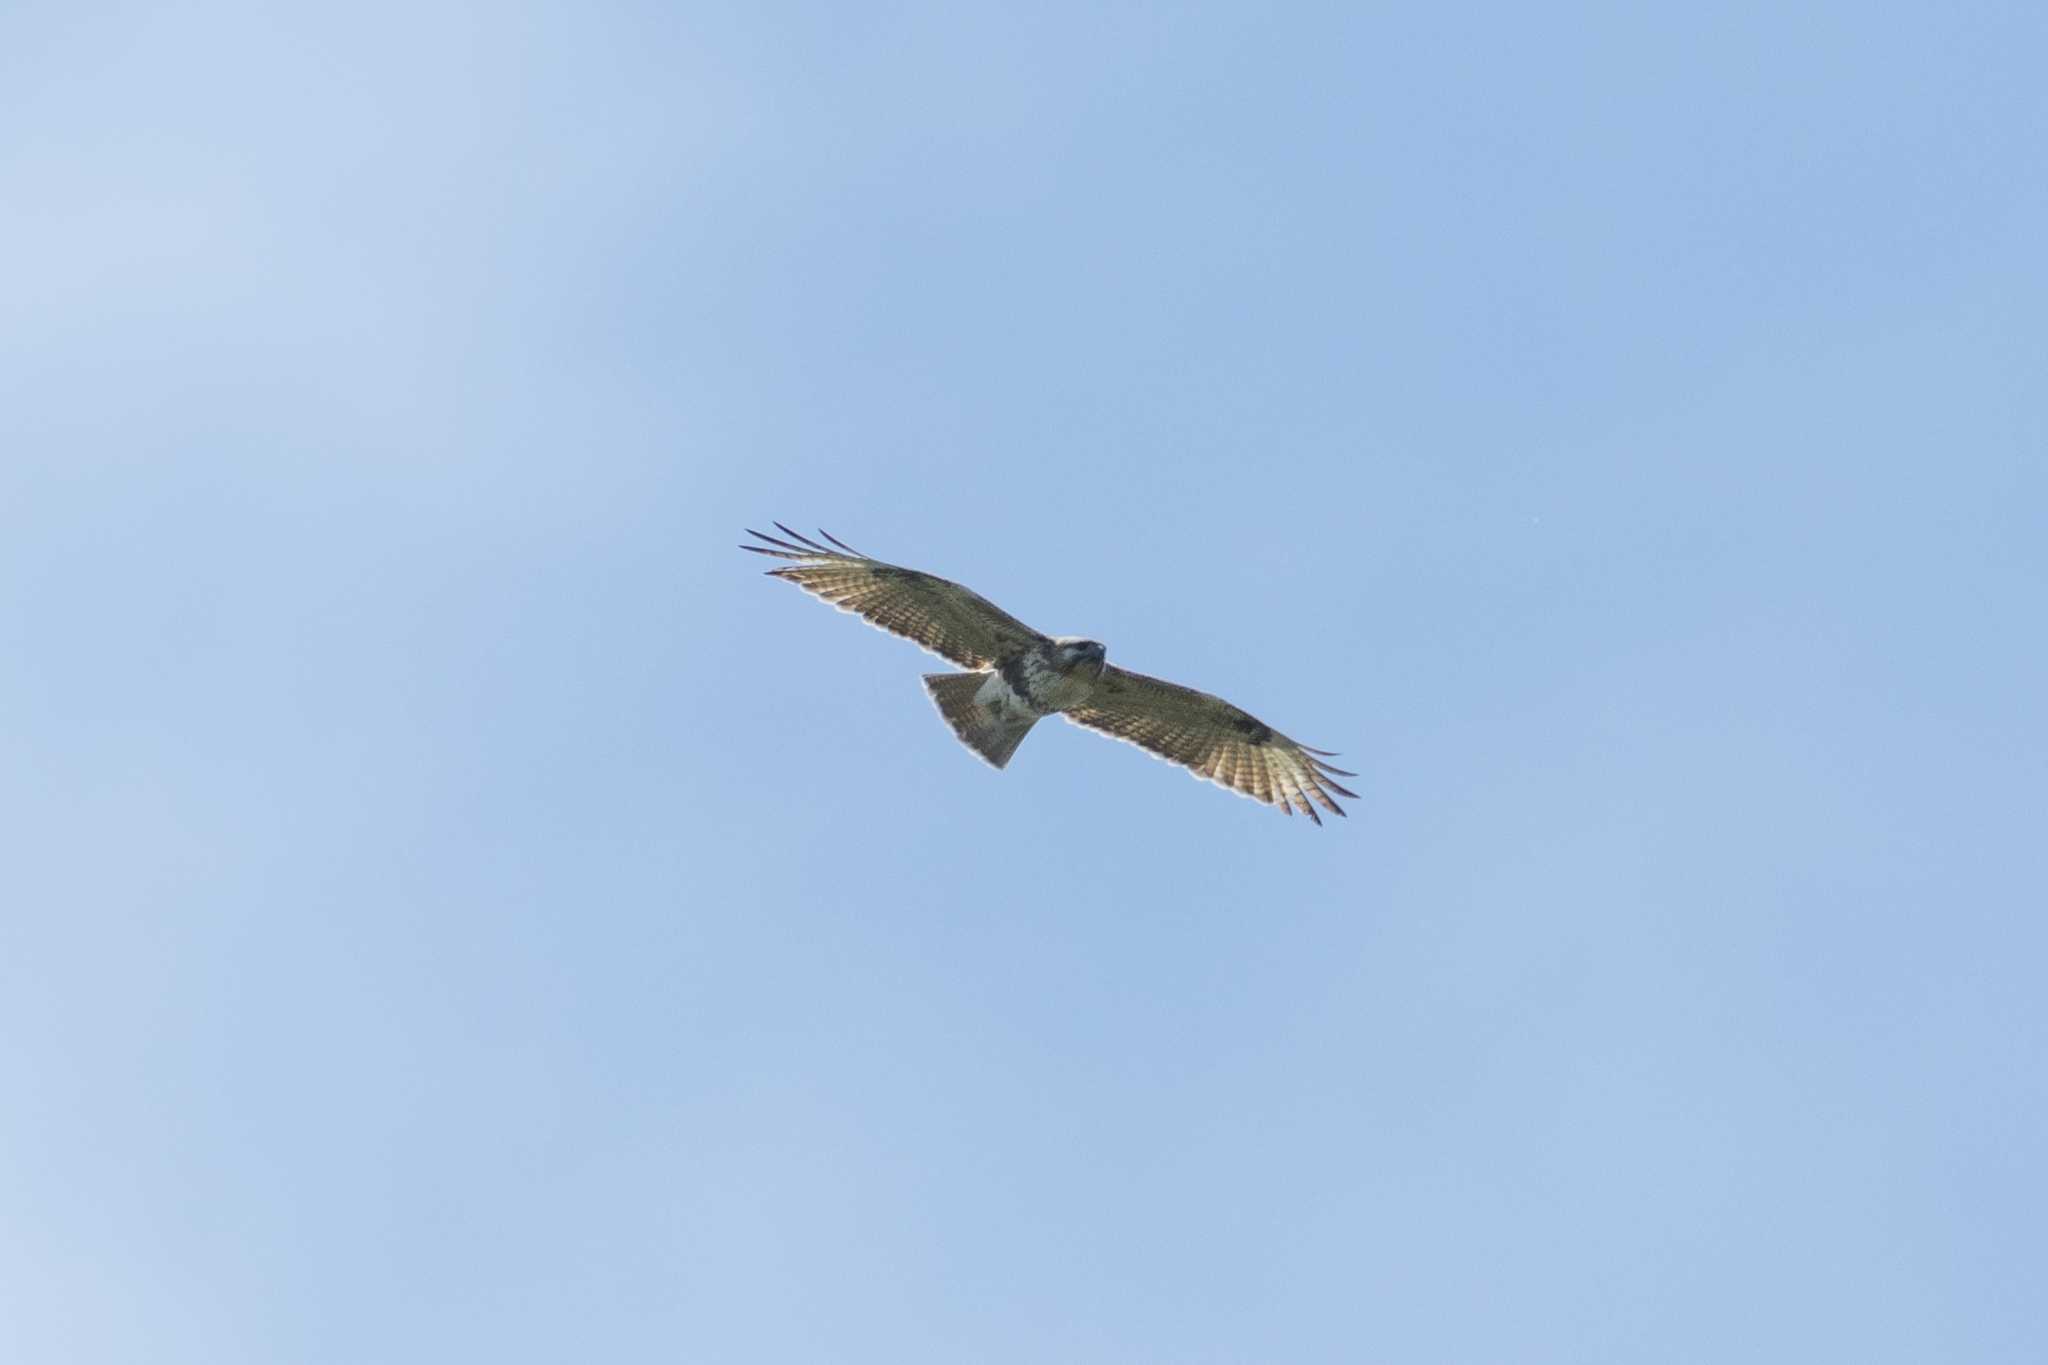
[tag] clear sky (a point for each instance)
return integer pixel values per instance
(455, 908)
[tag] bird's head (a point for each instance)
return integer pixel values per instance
(1086, 657)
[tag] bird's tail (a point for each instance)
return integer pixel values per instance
(992, 732)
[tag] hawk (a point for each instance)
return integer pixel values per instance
(1018, 677)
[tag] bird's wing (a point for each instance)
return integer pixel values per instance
(947, 619)
(1213, 739)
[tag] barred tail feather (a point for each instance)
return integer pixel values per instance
(993, 734)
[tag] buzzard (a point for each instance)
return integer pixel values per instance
(1018, 677)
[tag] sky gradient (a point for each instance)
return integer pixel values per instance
(456, 908)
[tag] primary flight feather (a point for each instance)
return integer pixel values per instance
(1018, 676)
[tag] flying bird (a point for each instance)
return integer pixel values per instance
(1018, 676)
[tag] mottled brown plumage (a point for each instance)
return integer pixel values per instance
(951, 621)
(1211, 738)
(1019, 675)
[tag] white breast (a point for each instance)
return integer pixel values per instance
(1001, 700)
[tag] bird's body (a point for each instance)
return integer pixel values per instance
(1052, 677)
(992, 711)
(1018, 676)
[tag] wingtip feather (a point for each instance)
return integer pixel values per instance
(783, 549)
(807, 542)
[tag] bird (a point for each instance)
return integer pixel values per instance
(1017, 676)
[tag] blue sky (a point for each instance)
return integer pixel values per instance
(457, 908)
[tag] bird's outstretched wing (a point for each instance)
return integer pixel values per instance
(1213, 739)
(947, 619)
